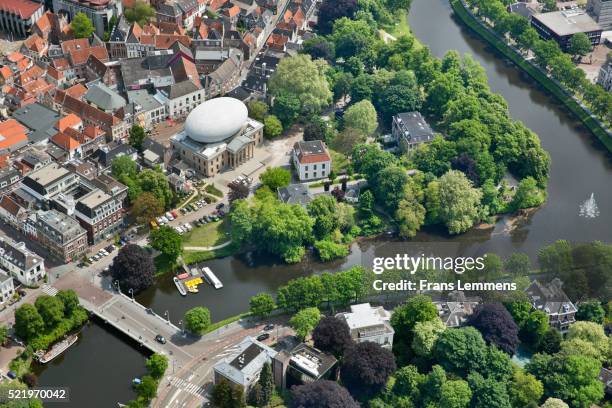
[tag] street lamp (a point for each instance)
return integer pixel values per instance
(182, 329)
(167, 314)
(131, 292)
(117, 285)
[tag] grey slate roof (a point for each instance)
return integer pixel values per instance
(549, 298)
(295, 194)
(39, 119)
(104, 98)
(144, 99)
(180, 89)
(417, 127)
(244, 366)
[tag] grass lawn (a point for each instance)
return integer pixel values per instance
(211, 234)
(191, 257)
(211, 189)
(400, 27)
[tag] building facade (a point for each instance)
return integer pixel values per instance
(311, 160)
(410, 130)
(367, 323)
(552, 300)
(62, 235)
(561, 26)
(7, 288)
(22, 264)
(100, 214)
(605, 76)
(601, 11)
(99, 12)
(19, 16)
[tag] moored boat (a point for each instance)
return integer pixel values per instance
(179, 286)
(56, 349)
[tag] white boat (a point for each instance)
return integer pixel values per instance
(211, 278)
(57, 349)
(179, 286)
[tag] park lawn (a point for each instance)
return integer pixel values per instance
(191, 257)
(400, 27)
(211, 234)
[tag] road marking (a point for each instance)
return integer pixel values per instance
(193, 389)
(174, 395)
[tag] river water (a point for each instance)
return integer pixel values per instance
(100, 368)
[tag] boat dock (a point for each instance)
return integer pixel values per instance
(211, 278)
(189, 281)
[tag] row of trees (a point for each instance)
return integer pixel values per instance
(548, 55)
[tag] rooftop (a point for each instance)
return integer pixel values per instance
(295, 194)
(17, 254)
(216, 120)
(23, 8)
(311, 361)
(244, 365)
(550, 297)
(568, 22)
(311, 152)
(415, 126)
(104, 98)
(64, 227)
(39, 119)
(48, 174)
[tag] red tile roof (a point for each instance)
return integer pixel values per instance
(68, 121)
(35, 43)
(23, 8)
(5, 72)
(30, 75)
(79, 57)
(61, 64)
(23, 64)
(76, 44)
(232, 11)
(76, 91)
(11, 133)
(65, 142)
(15, 56)
(54, 73)
(44, 22)
(165, 41)
(10, 205)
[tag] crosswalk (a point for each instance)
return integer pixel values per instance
(49, 290)
(186, 386)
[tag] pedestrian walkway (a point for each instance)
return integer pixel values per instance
(188, 387)
(211, 248)
(49, 290)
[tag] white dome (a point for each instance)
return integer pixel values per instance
(216, 120)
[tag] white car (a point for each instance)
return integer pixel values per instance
(160, 220)
(96, 257)
(187, 226)
(179, 230)
(169, 216)
(164, 219)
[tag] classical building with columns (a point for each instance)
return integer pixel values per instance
(218, 135)
(18, 16)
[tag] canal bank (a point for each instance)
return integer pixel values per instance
(579, 167)
(467, 17)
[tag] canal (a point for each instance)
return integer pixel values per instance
(100, 368)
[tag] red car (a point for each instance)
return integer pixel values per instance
(174, 214)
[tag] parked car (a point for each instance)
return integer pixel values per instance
(96, 257)
(187, 226)
(169, 216)
(220, 206)
(12, 375)
(164, 219)
(268, 327)
(160, 339)
(160, 220)
(174, 213)
(110, 248)
(263, 337)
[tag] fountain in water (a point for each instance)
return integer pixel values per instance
(589, 209)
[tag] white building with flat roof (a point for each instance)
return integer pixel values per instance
(367, 323)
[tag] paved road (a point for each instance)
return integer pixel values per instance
(188, 386)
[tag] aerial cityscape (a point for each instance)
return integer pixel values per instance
(306, 203)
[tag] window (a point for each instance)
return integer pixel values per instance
(323, 166)
(315, 166)
(315, 174)
(306, 168)
(306, 175)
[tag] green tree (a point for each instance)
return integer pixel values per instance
(524, 390)
(492, 266)
(146, 208)
(70, 300)
(300, 293)
(324, 211)
(455, 394)
(3, 334)
(266, 381)
(140, 13)
(147, 389)
(304, 78)
(580, 44)
(272, 127)
(124, 166)
(275, 177)
(571, 378)
(136, 137)
(408, 382)
(81, 25)
(517, 264)
(591, 311)
(304, 321)
(361, 116)
(287, 108)
(258, 110)
(535, 327)
(197, 320)
(418, 308)
(157, 365)
(51, 309)
(461, 351)
(167, 241)
(554, 402)
(488, 393)
(528, 194)
(345, 141)
(154, 181)
(425, 335)
(459, 202)
(551, 342)
(520, 309)
(262, 304)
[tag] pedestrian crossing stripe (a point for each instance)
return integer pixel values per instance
(49, 290)
(186, 386)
